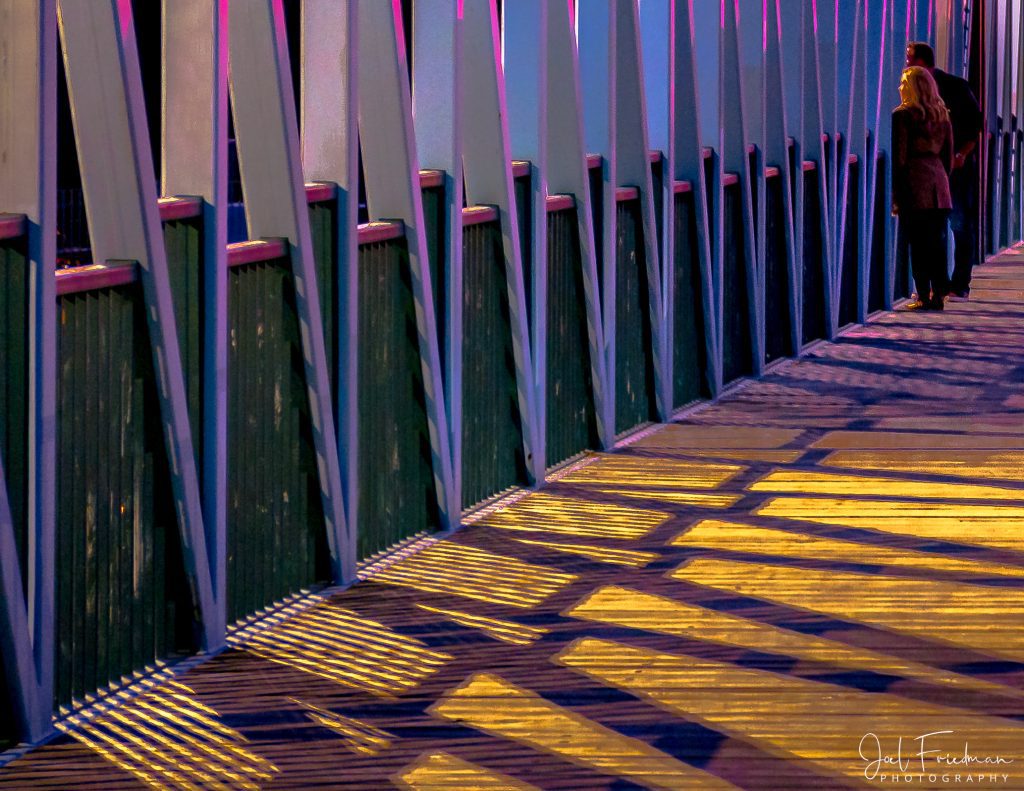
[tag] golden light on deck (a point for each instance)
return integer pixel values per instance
(996, 526)
(637, 610)
(736, 443)
(999, 465)
(475, 573)
(341, 646)
(360, 737)
(714, 438)
(443, 771)
(621, 470)
(552, 513)
(813, 722)
(493, 705)
(897, 440)
(814, 482)
(676, 497)
(618, 557)
(167, 738)
(496, 628)
(737, 537)
(926, 609)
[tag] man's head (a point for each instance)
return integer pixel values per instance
(920, 54)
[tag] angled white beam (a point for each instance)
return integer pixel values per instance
(850, 96)
(266, 129)
(826, 44)
(691, 135)
(657, 31)
(28, 185)
(615, 126)
(330, 153)
(736, 136)
(776, 153)
(195, 162)
(105, 88)
(792, 42)
(816, 147)
(438, 120)
(633, 168)
(393, 191)
(488, 173)
(879, 119)
(546, 127)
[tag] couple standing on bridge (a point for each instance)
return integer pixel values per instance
(935, 171)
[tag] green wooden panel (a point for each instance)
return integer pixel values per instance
(778, 341)
(523, 194)
(813, 268)
(13, 416)
(397, 497)
(689, 351)
(493, 458)
(571, 417)
(737, 358)
(276, 539)
(634, 368)
(849, 277)
(323, 225)
(876, 287)
(122, 596)
(14, 381)
(183, 240)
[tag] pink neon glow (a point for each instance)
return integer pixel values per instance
(764, 26)
(814, 11)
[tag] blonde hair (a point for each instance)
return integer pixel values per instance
(923, 95)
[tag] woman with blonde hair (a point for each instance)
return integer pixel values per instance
(922, 157)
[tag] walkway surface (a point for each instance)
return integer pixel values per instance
(769, 594)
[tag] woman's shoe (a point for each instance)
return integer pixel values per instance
(916, 305)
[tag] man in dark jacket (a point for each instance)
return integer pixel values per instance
(965, 114)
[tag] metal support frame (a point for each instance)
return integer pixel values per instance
(488, 173)
(776, 151)
(851, 119)
(690, 140)
(615, 126)
(657, 33)
(817, 146)
(105, 88)
(330, 153)
(28, 157)
(792, 43)
(1008, 131)
(833, 166)
(267, 136)
(883, 136)
(393, 191)
(437, 113)
(195, 162)
(736, 134)
(1018, 136)
(542, 70)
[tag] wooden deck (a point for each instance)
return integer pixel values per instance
(769, 594)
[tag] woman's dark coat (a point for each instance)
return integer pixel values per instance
(922, 154)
